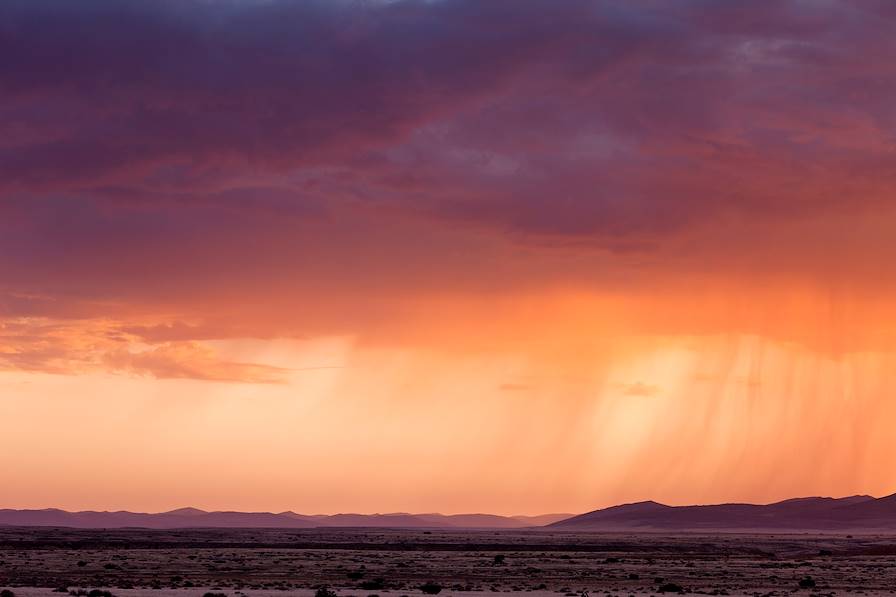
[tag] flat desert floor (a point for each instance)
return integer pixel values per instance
(395, 563)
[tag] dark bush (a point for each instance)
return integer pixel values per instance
(7, 593)
(324, 592)
(807, 583)
(671, 587)
(376, 584)
(431, 588)
(499, 560)
(210, 594)
(356, 575)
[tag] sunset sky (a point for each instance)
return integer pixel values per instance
(507, 256)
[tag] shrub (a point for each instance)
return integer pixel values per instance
(377, 584)
(7, 593)
(671, 587)
(431, 588)
(324, 592)
(499, 560)
(807, 583)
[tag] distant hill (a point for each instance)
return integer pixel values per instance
(855, 513)
(194, 518)
(860, 513)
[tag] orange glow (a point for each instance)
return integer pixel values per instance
(536, 403)
(519, 257)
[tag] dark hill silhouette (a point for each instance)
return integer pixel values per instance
(855, 513)
(859, 512)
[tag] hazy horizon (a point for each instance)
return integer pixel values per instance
(425, 512)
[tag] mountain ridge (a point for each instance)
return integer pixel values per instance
(857, 512)
(196, 518)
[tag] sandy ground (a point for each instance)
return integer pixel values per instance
(363, 563)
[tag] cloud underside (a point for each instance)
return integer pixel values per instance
(613, 123)
(287, 168)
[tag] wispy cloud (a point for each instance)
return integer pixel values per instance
(79, 346)
(189, 360)
(639, 389)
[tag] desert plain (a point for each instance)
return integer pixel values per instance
(52, 562)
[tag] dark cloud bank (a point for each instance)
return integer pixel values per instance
(604, 120)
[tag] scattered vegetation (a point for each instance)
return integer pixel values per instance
(90, 593)
(324, 592)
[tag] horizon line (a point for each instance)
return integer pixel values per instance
(436, 513)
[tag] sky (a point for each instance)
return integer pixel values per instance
(516, 256)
